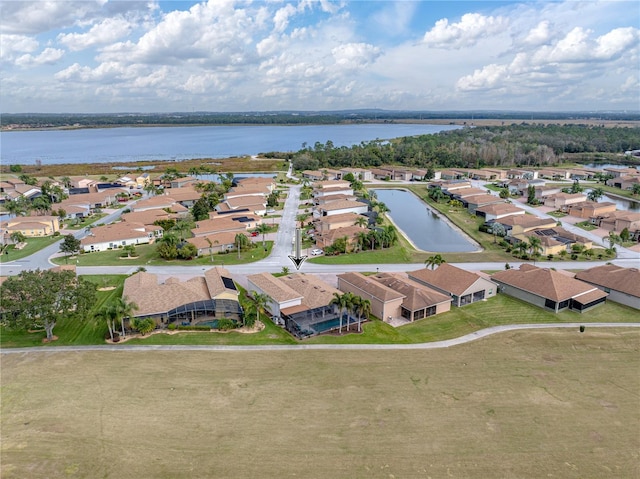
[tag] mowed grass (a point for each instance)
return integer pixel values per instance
(552, 403)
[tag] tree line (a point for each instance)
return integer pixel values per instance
(497, 146)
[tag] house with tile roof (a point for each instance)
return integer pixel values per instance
(622, 284)
(518, 224)
(562, 201)
(119, 235)
(472, 203)
(328, 223)
(197, 301)
(548, 289)
(325, 239)
(340, 207)
(619, 220)
(590, 209)
(420, 301)
(498, 210)
(32, 226)
(161, 202)
(214, 243)
(302, 303)
(236, 223)
(385, 302)
(463, 287)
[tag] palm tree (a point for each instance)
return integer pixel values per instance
(339, 300)
(66, 181)
(123, 308)
(535, 246)
(361, 240)
(635, 189)
(521, 248)
(362, 308)
(262, 229)
(613, 238)
(258, 301)
(361, 221)
(433, 261)
(108, 314)
(241, 241)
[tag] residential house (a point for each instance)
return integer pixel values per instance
(465, 192)
(214, 243)
(314, 175)
(32, 226)
(516, 173)
(331, 187)
(515, 225)
(394, 296)
(548, 289)
(542, 192)
(185, 181)
(621, 172)
(555, 173)
(622, 284)
(591, 209)
(360, 174)
(386, 302)
(301, 302)
(185, 195)
(499, 210)
(419, 301)
(199, 300)
(328, 238)
(118, 235)
(149, 217)
(472, 203)
(625, 182)
(463, 287)
(554, 239)
(619, 220)
(161, 202)
(562, 201)
(239, 223)
(452, 185)
(321, 200)
(256, 204)
(340, 207)
(327, 223)
(91, 201)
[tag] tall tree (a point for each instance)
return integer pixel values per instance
(258, 302)
(41, 298)
(262, 229)
(433, 261)
(535, 246)
(70, 245)
(124, 309)
(595, 194)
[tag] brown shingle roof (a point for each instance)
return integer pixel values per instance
(543, 282)
(447, 278)
(625, 280)
(370, 286)
(315, 292)
(417, 295)
(341, 205)
(274, 288)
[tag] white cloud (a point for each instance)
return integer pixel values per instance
(471, 28)
(354, 55)
(107, 31)
(540, 34)
(41, 16)
(48, 56)
(13, 45)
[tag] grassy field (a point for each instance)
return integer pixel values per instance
(522, 404)
(33, 245)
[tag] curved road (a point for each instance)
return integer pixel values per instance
(467, 338)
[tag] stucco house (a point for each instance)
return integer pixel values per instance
(499, 210)
(118, 235)
(195, 301)
(340, 207)
(214, 243)
(562, 201)
(590, 209)
(463, 287)
(32, 226)
(548, 289)
(622, 284)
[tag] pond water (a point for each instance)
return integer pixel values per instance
(621, 203)
(424, 228)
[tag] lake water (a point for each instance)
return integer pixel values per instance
(426, 230)
(621, 203)
(119, 145)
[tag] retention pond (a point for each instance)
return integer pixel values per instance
(425, 228)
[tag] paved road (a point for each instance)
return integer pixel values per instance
(483, 333)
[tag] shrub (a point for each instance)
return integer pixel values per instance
(574, 256)
(172, 327)
(225, 324)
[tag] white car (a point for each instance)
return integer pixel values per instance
(316, 252)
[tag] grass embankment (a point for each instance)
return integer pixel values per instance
(520, 404)
(33, 245)
(146, 256)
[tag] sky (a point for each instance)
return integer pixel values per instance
(110, 56)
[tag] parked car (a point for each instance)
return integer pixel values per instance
(254, 233)
(316, 252)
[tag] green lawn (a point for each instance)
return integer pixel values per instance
(33, 245)
(71, 224)
(499, 310)
(146, 255)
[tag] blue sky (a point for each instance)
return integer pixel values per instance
(227, 55)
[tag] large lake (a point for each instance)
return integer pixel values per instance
(179, 143)
(426, 230)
